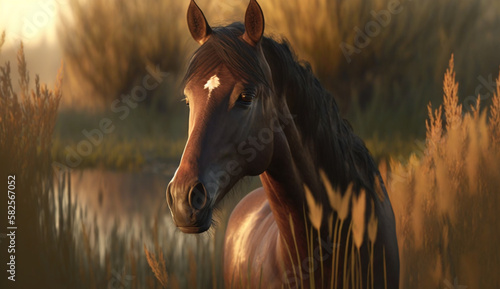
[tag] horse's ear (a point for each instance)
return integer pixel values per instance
(254, 23)
(198, 25)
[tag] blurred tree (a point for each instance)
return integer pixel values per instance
(110, 48)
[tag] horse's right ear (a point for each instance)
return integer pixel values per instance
(254, 23)
(198, 25)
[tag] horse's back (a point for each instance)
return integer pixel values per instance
(250, 244)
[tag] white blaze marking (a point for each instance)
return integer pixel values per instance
(212, 84)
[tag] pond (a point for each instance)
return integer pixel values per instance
(126, 197)
(124, 205)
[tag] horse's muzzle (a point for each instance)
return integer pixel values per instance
(189, 207)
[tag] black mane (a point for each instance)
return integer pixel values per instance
(337, 150)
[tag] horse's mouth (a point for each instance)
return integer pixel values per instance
(194, 229)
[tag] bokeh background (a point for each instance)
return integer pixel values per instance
(93, 163)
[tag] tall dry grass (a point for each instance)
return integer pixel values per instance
(27, 118)
(349, 210)
(447, 201)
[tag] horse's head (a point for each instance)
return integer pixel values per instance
(231, 123)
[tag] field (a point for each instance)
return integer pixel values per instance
(418, 83)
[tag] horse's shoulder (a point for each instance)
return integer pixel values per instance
(253, 205)
(251, 237)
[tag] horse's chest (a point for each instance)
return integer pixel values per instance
(250, 250)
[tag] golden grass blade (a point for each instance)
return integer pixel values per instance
(296, 251)
(330, 225)
(315, 209)
(345, 203)
(494, 119)
(157, 266)
(321, 258)
(334, 197)
(372, 225)
(291, 262)
(358, 218)
(346, 268)
(310, 256)
(337, 240)
(453, 110)
(434, 128)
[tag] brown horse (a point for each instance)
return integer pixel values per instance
(256, 110)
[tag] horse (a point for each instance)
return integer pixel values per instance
(254, 109)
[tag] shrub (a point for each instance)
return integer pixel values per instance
(110, 46)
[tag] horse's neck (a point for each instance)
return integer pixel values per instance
(294, 164)
(295, 84)
(290, 168)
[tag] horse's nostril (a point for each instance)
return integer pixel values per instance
(198, 197)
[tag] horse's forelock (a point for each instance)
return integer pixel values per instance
(225, 47)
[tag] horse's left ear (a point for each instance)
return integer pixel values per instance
(254, 23)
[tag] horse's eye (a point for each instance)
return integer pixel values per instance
(246, 97)
(186, 100)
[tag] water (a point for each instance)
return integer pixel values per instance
(120, 196)
(127, 204)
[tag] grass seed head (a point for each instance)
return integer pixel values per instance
(372, 225)
(315, 209)
(358, 218)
